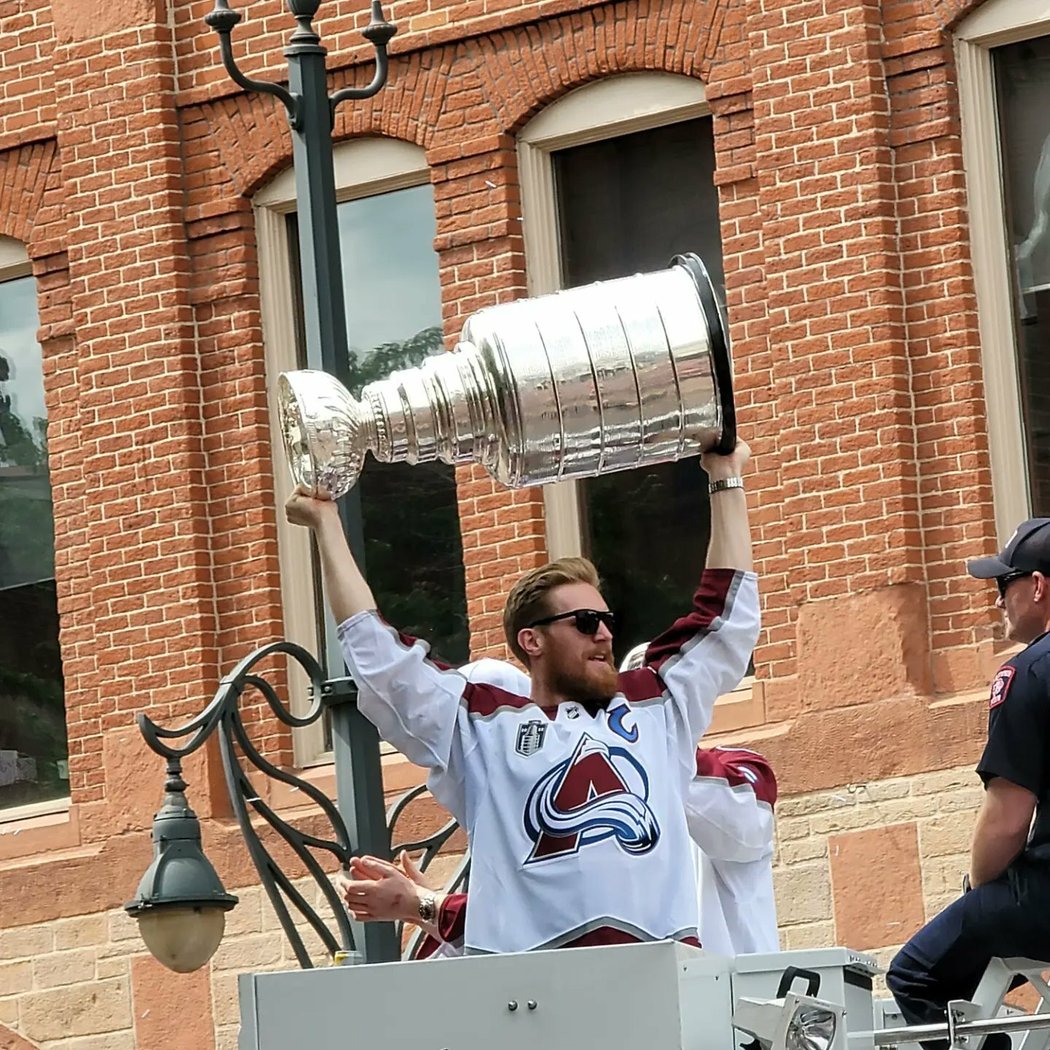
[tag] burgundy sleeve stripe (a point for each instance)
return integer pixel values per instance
(711, 602)
(640, 685)
(452, 917)
(408, 642)
(426, 948)
(736, 767)
(483, 699)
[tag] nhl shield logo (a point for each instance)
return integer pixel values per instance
(530, 738)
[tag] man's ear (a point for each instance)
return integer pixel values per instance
(1042, 587)
(531, 642)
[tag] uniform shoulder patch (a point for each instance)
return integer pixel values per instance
(1001, 685)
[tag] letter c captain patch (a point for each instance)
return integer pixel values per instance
(1001, 685)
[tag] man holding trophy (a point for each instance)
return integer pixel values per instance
(573, 795)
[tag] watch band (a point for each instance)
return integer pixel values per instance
(722, 484)
(427, 908)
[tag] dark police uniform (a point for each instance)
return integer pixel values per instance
(1010, 916)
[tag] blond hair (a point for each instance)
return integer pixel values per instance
(527, 601)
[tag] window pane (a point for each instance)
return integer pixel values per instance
(628, 205)
(33, 753)
(1023, 86)
(410, 518)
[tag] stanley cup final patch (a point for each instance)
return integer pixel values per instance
(1001, 685)
(530, 738)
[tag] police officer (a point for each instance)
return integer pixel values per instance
(1005, 909)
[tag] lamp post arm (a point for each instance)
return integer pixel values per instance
(204, 724)
(223, 20)
(379, 33)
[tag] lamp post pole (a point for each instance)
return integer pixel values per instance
(310, 114)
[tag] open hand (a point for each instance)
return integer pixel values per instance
(378, 891)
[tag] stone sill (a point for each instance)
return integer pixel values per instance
(40, 828)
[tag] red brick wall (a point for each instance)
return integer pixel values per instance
(851, 306)
(127, 163)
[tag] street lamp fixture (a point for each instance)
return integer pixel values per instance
(180, 904)
(311, 115)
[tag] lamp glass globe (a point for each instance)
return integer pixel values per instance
(183, 938)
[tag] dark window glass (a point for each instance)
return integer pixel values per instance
(628, 205)
(33, 753)
(1023, 87)
(409, 514)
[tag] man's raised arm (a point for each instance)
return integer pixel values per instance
(348, 592)
(730, 546)
(706, 652)
(405, 694)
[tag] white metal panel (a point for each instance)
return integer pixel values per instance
(620, 997)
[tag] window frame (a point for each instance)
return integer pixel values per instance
(364, 167)
(14, 265)
(14, 260)
(995, 23)
(602, 109)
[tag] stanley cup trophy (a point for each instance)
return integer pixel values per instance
(605, 377)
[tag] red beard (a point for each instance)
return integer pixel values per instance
(594, 681)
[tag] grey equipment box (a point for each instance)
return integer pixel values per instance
(845, 979)
(659, 996)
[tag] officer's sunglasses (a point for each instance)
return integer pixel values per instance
(585, 621)
(1002, 582)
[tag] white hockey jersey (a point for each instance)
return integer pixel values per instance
(729, 807)
(729, 810)
(576, 822)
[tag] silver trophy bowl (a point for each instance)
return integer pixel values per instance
(605, 377)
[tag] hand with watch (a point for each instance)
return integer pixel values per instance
(725, 470)
(378, 891)
(729, 542)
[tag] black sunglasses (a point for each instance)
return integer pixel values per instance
(1002, 582)
(585, 621)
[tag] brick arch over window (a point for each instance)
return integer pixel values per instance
(249, 142)
(26, 174)
(949, 13)
(464, 99)
(526, 70)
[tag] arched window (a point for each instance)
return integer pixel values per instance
(393, 306)
(34, 770)
(617, 177)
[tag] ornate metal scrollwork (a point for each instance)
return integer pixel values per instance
(223, 714)
(238, 752)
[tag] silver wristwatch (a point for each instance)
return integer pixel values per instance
(428, 908)
(725, 483)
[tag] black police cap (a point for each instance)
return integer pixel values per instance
(1027, 551)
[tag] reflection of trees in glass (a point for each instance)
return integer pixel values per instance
(20, 446)
(26, 523)
(413, 548)
(370, 365)
(32, 708)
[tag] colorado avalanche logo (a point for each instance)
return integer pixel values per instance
(599, 792)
